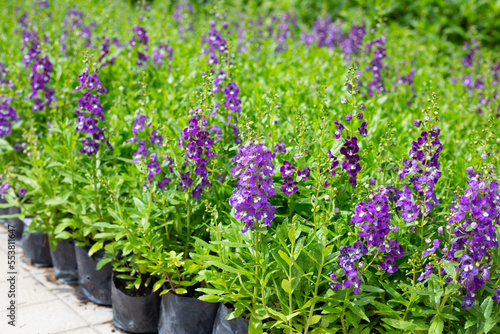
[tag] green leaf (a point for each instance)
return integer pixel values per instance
(95, 247)
(371, 288)
(102, 263)
(286, 285)
(56, 201)
(255, 326)
(159, 284)
(285, 257)
(358, 311)
(231, 244)
(228, 268)
(490, 323)
(421, 292)
(406, 325)
(315, 319)
(437, 325)
(276, 314)
(487, 306)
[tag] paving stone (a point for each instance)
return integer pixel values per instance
(83, 330)
(49, 317)
(107, 329)
(92, 313)
(47, 277)
(31, 292)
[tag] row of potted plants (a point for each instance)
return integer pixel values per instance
(217, 191)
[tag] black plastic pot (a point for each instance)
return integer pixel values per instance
(184, 315)
(3, 211)
(93, 284)
(64, 261)
(37, 249)
(233, 326)
(16, 222)
(135, 314)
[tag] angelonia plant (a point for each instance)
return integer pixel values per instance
(318, 169)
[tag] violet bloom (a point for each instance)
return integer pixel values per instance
(289, 186)
(435, 247)
(90, 111)
(8, 115)
(4, 187)
(186, 181)
(156, 139)
(163, 183)
(339, 131)
(21, 193)
(198, 144)
(476, 208)
(280, 148)
(287, 169)
(305, 173)
(161, 52)
(351, 163)
(90, 147)
(362, 129)
(254, 170)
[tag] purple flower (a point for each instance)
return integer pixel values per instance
(254, 169)
(287, 169)
(305, 173)
(90, 147)
(280, 148)
(163, 183)
(339, 131)
(435, 247)
(186, 181)
(21, 193)
(289, 186)
(156, 139)
(4, 187)
(351, 163)
(362, 129)
(162, 51)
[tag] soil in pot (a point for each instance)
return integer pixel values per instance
(36, 248)
(135, 314)
(234, 326)
(64, 261)
(185, 315)
(93, 284)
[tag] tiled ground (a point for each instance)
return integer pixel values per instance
(46, 306)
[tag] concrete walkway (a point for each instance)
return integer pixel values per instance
(44, 305)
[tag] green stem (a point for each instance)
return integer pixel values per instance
(96, 198)
(344, 327)
(316, 287)
(188, 228)
(255, 289)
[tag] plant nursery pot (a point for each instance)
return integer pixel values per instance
(3, 211)
(184, 315)
(64, 261)
(16, 222)
(93, 284)
(233, 326)
(135, 314)
(37, 249)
